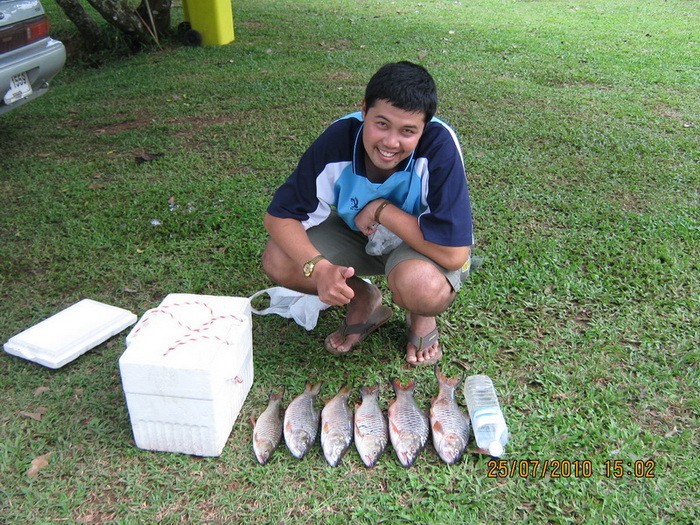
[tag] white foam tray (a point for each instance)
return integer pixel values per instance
(69, 333)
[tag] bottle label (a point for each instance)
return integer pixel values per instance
(492, 414)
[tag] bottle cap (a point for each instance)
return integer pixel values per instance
(496, 449)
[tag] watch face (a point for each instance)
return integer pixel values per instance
(310, 265)
(308, 269)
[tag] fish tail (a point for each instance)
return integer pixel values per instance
(369, 390)
(313, 388)
(345, 390)
(410, 386)
(276, 396)
(439, 375)
(442, 378)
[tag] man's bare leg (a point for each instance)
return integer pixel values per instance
(283, 271)
(367, 299)
(420, 289)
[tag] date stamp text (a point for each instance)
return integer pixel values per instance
(566, 468)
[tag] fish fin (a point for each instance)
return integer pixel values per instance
(437, 427)
(394, 427)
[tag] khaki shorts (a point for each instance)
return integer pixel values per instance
(346, 247)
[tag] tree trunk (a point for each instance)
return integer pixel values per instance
(143, 26)
(125, 18)
(88, 28)
(159, 12)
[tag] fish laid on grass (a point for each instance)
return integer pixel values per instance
(267, 430)
(336, 427)
(301, 421)
(408, 424)
(371, 430)
(449, 424)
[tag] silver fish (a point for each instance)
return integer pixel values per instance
(371, 430)
(408, 424)
(449, 424)
(301, 421)
(336, 427)
(267, 431)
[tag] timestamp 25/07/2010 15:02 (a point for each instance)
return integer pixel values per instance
(565, 468)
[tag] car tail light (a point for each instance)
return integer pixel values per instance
(24, 33)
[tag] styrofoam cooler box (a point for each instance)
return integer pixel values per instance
(186, 372)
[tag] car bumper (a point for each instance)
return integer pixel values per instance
(41, 61)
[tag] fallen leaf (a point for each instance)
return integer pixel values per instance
(671, 433)
(40, 411)
(38, 463)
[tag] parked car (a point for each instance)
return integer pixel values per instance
(29, 57)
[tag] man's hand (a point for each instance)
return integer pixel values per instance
(365, 219)
(331, 282)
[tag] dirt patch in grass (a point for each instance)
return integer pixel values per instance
(125, 125)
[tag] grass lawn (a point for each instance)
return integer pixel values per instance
(580, 129)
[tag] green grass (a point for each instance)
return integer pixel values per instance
(579, 123)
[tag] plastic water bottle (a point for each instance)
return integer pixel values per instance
(488, 423)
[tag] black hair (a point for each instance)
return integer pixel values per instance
(404, 85)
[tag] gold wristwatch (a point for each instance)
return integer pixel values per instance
(310, 265)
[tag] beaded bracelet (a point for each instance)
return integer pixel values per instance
(379, 211)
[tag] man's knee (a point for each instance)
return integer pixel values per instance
(273, 263)
(419, 286)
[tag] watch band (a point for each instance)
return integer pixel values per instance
(311, 264)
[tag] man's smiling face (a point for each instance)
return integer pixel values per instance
(389, 136)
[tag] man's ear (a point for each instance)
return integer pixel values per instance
(364, 108)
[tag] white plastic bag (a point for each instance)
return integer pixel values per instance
(301, 307)
(382, 241)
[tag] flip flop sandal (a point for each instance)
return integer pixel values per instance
(376, 319)
(421, 343)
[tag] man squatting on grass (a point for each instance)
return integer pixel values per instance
(393, 164)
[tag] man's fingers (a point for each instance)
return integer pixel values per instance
(347, 272)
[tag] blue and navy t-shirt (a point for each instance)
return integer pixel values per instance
(431, 184)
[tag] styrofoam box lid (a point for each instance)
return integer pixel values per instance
(188, 346)
(69, 333)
